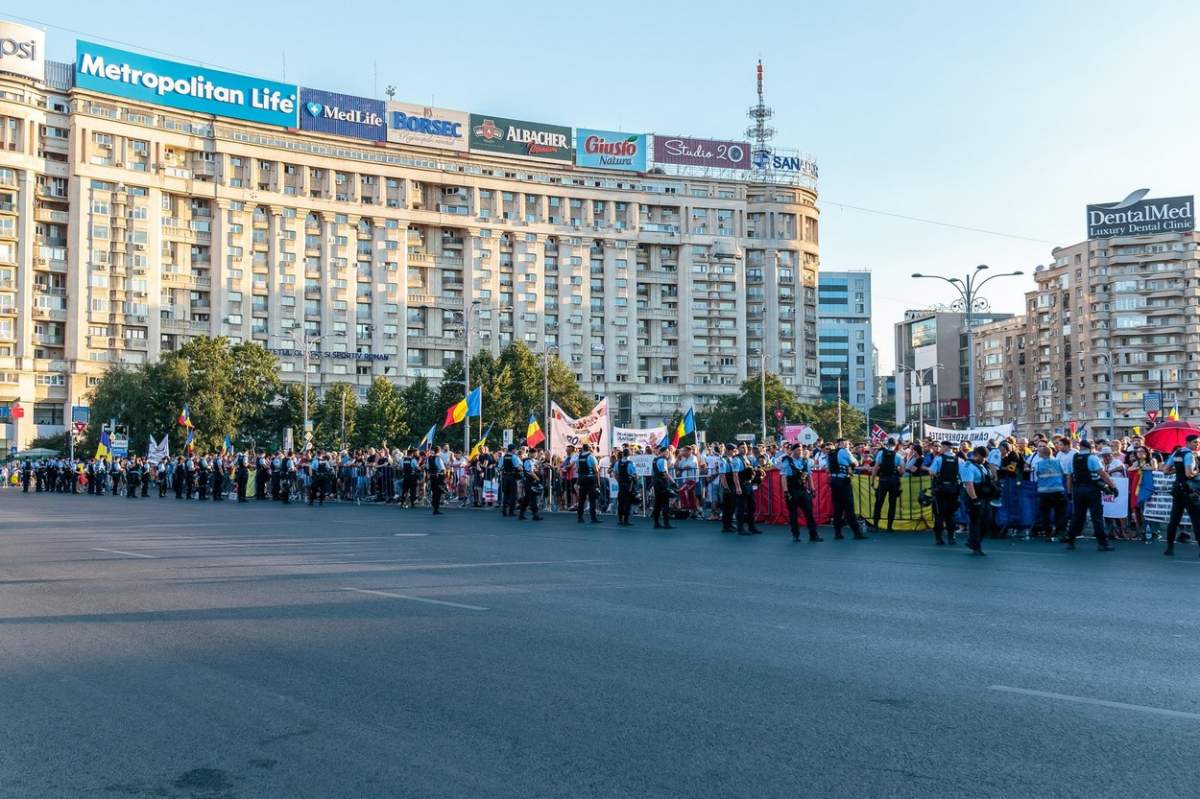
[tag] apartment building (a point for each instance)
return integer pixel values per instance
(1002, 390)
(370, 233)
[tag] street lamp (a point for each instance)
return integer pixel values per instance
(762, 374)
(968, 291)
(919, 379)
(306, 344)
(546, 384)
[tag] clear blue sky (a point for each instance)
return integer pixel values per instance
(1010, 117)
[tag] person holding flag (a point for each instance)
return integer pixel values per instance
(533, 433)
(469, 406)
(185, 417)
(686, 426)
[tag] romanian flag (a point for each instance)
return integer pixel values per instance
(686, 426)
(104, 448)
(185, 417)
(471, 405)
(1173, 414)
(1137, 430)
(227, 446)
(479, 445)
(189, 444)
(1071, 427)
(533, 433)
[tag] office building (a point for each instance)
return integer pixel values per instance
(847, 353)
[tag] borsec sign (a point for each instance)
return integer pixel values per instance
(423, 126)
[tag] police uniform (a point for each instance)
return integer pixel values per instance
(1085, 484)
(840, 464)
(946, 487)
(888, 464)
(796, 474)
(241, 477)
(974, 474)
(533, 489)
(660, 479)
(585, 472)
(436, 471)
(729, 497)
(510, 468)
(1185, 496)
(626, 473)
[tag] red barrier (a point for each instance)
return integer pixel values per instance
(771, 507)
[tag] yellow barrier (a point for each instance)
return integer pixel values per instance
(910, 516)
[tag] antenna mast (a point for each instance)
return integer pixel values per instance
(760, 131)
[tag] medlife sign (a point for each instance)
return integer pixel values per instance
(192, 88)
(1136, 216)
(22, 50)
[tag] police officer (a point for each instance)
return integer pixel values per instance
(408, 479)
(888, 463)
(287, 480)
(262, 475)
(796, 470)
(203, 477)
(731, 488)
(189, 476)
(585, 472)
(626, 473)
(510, 468)
(276, 475)
(841, 465)
(946, 493)
(663, 482)
(218, 478)
(1087, 473)
(26, 476)
(741, 468)
(241, 476)
(532, 484)
(319, 473)
(974, 476)
(436, 471)
(1185, 492)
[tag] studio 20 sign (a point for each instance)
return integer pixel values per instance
(606, 149)
(686, 151)
(517, 137)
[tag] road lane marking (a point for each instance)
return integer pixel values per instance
(1084, 700)
(122, 552)
(410, 535)
(415, 598)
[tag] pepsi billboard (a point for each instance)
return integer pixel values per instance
(342, 115)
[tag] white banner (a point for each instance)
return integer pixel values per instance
(159, 452)
(978, 436)
(590, 429)
(644, 437)
(643, 463)
(1117, 507)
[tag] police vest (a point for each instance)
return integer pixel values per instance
(795, 478)
(1080, 472)
(836, 469)
(887, 464)
(947, 476)
(660, 472)
(585, 467)
(508, 464)
(625, 472)
(433, 465)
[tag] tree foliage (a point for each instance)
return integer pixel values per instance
(742, 413)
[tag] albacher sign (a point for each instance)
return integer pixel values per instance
(1136, 216)
(517, 137)
(606, 149)
(687, 151)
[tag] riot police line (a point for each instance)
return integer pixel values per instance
(949, 488)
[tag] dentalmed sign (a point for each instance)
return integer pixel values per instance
(1137, 216)
(191, 88)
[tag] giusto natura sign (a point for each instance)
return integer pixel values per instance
(1137, 216)
(191, 88)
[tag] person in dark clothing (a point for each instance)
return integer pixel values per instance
(888, 465)
(946, 487)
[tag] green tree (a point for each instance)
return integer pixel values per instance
(254, 384)
(824, 418)
(142, 399)
(565, 390)
(340, 402)
(742, 412)
(884, 414)
(381, 417)
(59, 443)
(420, 409)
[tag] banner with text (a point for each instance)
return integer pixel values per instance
(590, 429)
(976, 435)
(641, 436)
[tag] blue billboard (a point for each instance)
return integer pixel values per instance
(342, 115)
(186, 86)
(606, 149)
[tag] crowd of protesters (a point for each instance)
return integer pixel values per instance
(718, 482)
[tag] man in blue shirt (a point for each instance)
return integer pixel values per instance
(888, 465)
(1087, 475)
(731, 489)
(585, 473)
(1051, 491)
(976, 484)
(1185, 493)
(946, 488)
(841, 465)
(796, 470)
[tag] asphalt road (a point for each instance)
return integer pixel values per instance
(156, 648)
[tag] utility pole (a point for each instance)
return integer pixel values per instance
(839, 405)
(762, 372)
(343, 420)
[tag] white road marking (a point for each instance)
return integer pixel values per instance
(410, 535)
(1084, 700)
(122, 552)
(415, 598)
